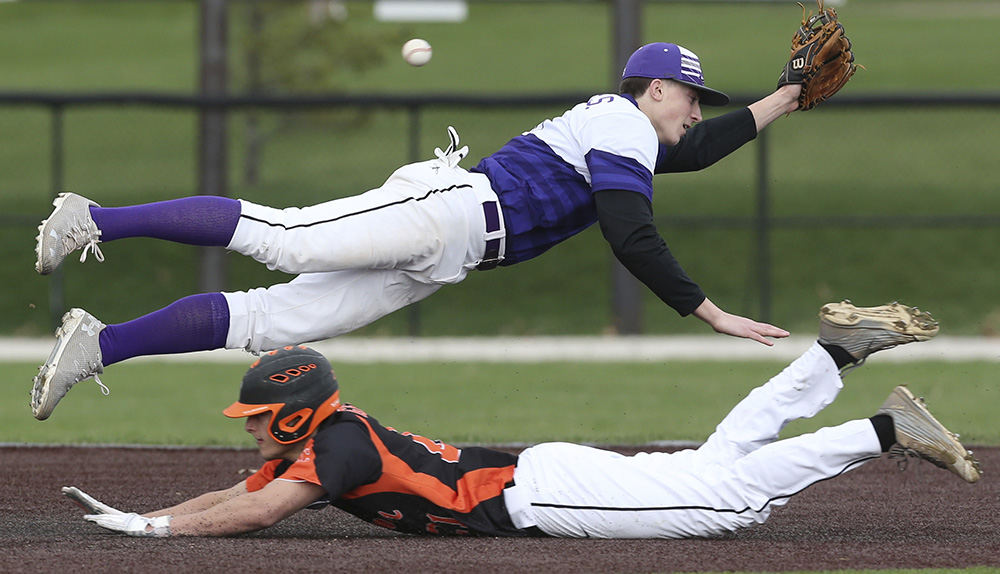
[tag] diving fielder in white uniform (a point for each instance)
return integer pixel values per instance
(431, 223)
(340, 455)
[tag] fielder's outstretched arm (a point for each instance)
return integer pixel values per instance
(707, 142)
(784, 100)
(710, 140)
(626, 220)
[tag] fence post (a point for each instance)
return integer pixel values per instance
(253, 137)
(762, 225)
(57, 284)
(212, 133)
(626, 292)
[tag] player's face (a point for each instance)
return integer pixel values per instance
(676, 112)
(257, 426)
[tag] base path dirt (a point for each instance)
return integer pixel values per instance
(872, 518)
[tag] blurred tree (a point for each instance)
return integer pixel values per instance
(300, 47)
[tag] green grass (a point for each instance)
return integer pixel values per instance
(870, 162)
(99, 45)
(605, 403)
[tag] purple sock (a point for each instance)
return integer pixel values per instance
(194, 323)
(196, 220)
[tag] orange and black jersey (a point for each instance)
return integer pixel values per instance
(402, 481)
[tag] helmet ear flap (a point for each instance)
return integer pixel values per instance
(290, 428)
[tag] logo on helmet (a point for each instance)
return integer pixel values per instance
(289, 374)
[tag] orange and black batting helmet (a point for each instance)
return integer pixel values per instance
(296, 384)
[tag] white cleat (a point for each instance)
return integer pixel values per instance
(76, 357)
(920, 435)
(68, 228)
(862, 331)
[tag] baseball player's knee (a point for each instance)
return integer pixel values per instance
(281, 239)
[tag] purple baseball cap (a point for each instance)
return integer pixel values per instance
(670, 61)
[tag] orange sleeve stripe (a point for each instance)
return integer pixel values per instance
(264, 475)
(397, 476)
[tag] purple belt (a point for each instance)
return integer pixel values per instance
(491, 255)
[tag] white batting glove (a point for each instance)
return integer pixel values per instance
(89, 503)
(133, 524)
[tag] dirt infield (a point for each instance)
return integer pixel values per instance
(875, 517)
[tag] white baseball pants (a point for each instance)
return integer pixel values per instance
(732, 481)
(361, 257)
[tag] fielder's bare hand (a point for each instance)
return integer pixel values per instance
(737, 326)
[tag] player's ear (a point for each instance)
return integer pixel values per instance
(656, 89)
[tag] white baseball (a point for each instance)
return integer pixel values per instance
(417, 52)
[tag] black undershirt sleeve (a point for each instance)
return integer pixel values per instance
(626, 220)
(708, 141)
